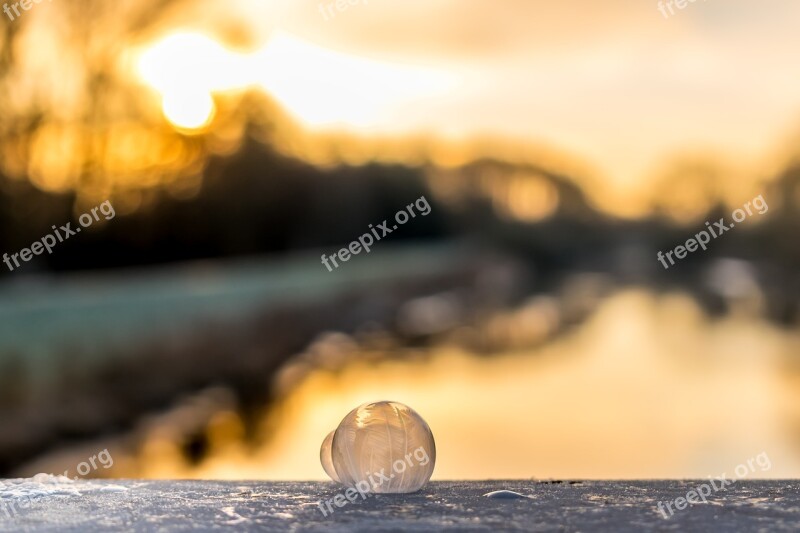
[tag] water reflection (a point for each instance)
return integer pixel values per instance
(648, 387)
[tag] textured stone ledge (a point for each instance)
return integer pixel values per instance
(280, 506)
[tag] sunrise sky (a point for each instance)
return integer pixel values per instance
(612, 83)
(613, 92)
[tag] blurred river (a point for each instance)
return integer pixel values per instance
(647, 387)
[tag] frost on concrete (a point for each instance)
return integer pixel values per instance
(21, 498)
(127, 505)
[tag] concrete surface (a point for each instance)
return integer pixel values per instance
(129, 505)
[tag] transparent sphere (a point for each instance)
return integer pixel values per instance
(325, 457)
(381, 447)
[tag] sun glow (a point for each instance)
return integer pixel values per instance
(190, 110)
(323, 87)
(186, 68)
(319, 87)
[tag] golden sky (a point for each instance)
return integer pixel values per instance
(613, 89)
(614, 83)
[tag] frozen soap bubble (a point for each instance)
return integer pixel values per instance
(325, 457)
(382, 447)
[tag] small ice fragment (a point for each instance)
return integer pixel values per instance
(504, 495)
(50, 479)
(112, 488)
(236, 518)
